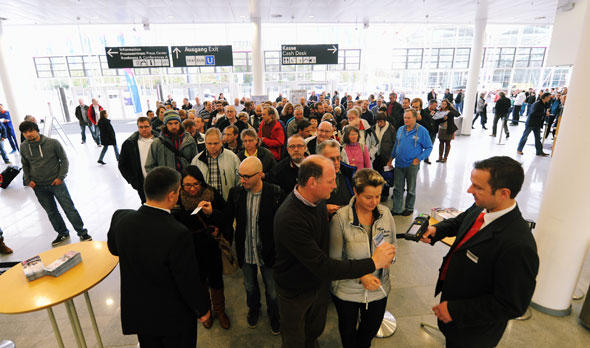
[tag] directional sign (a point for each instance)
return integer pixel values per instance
(202, 56)
(137, 57)
(309, 54)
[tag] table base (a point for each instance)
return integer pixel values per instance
(388, 326)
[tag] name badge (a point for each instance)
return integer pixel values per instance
(379, 238)
(472, 256)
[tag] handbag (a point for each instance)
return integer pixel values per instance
(228, 255)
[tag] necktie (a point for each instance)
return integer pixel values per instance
(472, 231)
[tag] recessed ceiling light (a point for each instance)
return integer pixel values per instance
(311, 16)
(539, 18)
(276, 15)
(242, 16)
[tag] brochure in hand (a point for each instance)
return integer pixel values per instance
(35, 269)
(440, 214)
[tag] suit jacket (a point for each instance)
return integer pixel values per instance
(82, 114)
(160, 289)
(236, 207)
(490, 278)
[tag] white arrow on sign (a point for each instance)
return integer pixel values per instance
(110, 52)
(333, 49)
(177, 51)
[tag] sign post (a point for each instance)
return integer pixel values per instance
(137, 57)
(309, 54)
(189, 56)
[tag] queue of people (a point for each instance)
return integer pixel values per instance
(304, 211)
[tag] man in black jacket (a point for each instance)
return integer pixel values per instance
(81, 113)
(395, 112)
(488, 276)
(534, 123)
(502, 109)
(253, 205)
(251, 148)
(303, 270)
(285, 172)
(134, 152)
(161, 295)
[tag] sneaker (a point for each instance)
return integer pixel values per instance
(407, 212)
(85, 237)
(275, 326)
(253, 315)
(519, 153)
(60, 239)
(101, 162)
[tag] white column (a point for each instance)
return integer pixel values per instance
(561, 234)
(10, 103)
(474, 65)
(257, 58)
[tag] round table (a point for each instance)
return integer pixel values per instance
(22, 296)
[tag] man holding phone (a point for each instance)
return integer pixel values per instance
(488, 275)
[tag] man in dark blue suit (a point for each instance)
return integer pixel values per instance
(488, 275)
(161, 295)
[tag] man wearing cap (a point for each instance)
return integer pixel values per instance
(174, 148)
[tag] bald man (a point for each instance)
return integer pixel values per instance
(303, 268)
(253, 204)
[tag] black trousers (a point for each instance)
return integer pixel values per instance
(303, 316)
(187, 339)
(209, 259)
(355, 334)
(516, 114)
(504, 119)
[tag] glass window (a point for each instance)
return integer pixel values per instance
(445, 58)
(462, 56)
(414, 58)
(506, 57)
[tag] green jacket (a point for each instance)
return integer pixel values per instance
(160, 155)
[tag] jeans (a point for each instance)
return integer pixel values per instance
(529, 109)
(459, 107)
(104, 151)
(355, 334)
(516, 114)
(303, 316)
(537, 133)
(3, 153)
(95, 132)
(47, 195)
(83, 131)
(482, 118)
(401, 177)
(253, 291)
(504, 118)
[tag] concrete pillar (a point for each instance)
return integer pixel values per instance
(474, 65)
(257, 54)
(562, 237)
(10, 103)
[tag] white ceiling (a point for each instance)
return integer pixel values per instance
(18, 12)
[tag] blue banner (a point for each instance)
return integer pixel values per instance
(133, 90)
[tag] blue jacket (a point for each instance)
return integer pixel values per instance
(409, 145)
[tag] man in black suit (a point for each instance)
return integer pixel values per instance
(488, 276)
(161, 295)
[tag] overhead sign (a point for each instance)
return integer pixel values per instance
(202, 56)
(309, 54)
(137, 57)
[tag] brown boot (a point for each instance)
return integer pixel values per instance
(207, 324)
(4, 249)
(218, 300)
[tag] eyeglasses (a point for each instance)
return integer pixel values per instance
(296, 146)
(246, 177)
(191, 185)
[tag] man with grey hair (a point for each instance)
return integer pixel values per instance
(251, 148)
(230, 119)
(285, 172)
(292, 122)
(325, 132)
(219, 166)
(343, 193)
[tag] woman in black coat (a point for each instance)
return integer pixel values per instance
(446, 129)
(107, 136)
(205, 225)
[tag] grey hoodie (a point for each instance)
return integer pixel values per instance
(43, 161)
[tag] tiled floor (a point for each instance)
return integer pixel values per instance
(100, 190)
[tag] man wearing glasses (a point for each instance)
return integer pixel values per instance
(325, 132)
(219, 166)
(253, 204)
(285, 172)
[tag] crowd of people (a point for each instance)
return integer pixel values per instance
(294, 189)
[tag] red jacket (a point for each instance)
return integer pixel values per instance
(276, 140)
(91, 116)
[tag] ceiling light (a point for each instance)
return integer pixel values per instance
(539, 18)
(276, 15)
(311, 16)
